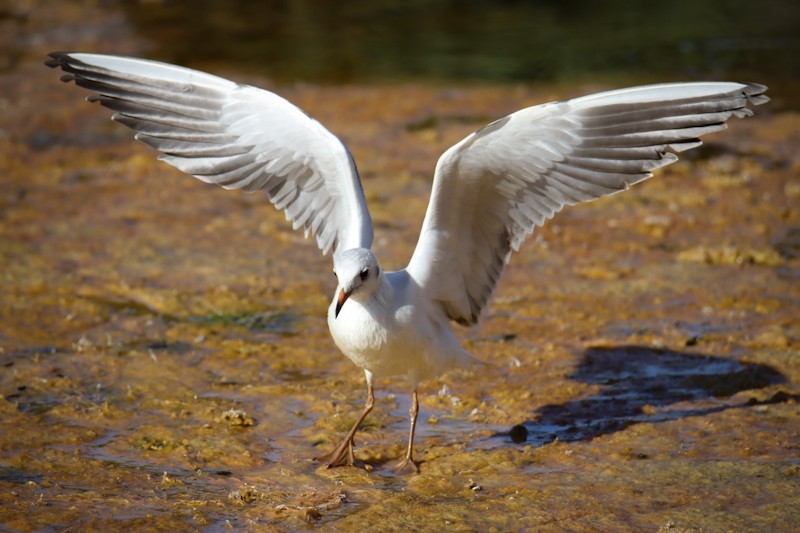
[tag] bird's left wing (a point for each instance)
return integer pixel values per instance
(491, 189)
(236, 136)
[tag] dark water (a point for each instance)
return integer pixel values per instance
(477, 40)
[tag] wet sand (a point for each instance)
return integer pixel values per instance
(165, 363)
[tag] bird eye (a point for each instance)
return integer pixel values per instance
(364, 274)
(335, 275)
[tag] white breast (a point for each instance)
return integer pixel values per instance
(392, 332)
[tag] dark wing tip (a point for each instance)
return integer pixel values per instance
(57, 59)
(754, 93)
(66, 63)
(752, 88)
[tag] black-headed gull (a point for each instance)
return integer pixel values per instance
(489, 191)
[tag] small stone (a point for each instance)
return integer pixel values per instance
(518, 434)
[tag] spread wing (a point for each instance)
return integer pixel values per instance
(494, 187)
(236, 136)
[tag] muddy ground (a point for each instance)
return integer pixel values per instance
(165, 363)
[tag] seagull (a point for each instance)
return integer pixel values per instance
(489, 192)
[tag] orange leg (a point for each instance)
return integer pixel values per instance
(343, 453)
(408, 463)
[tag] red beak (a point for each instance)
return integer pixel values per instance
(343, 296)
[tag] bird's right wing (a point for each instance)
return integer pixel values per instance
(236, 136)
(493, 188)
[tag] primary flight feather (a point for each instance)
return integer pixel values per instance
(489, 191)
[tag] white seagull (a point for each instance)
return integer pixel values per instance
(489, 191)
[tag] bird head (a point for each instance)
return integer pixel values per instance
(358, 272)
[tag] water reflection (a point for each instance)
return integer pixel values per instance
(480, 40)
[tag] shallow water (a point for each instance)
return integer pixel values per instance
(165, 364)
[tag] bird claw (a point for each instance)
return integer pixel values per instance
(342, 455)
(407, 466)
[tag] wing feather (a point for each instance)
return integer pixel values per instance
(494, 187)
(234, 136)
